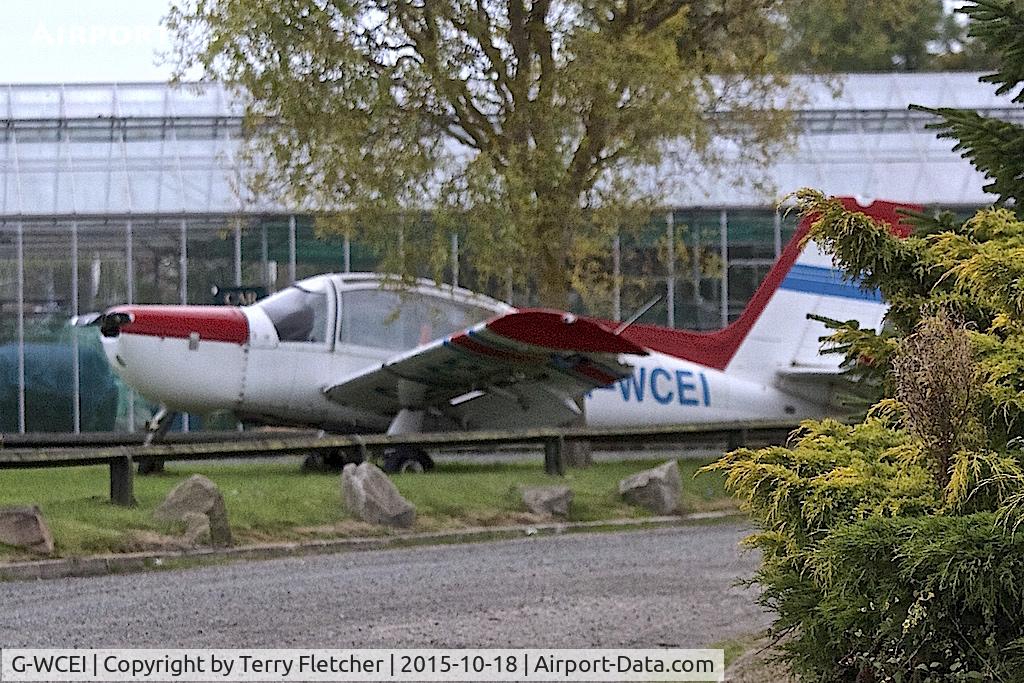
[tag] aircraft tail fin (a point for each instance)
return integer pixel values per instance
(774, 335)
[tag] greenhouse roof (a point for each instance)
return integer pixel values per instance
(154, 149)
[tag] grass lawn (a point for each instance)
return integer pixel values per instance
(275, 501)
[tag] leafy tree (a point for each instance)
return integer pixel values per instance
(994, 147)
(851, 35)
(958, 50)
(899, 35)
(532, 128)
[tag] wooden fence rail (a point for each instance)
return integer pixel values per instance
(120, 458)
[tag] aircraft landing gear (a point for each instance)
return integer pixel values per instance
(407, 459)
(330, 462)
(156, 428)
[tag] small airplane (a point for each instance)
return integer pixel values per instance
(352, 352)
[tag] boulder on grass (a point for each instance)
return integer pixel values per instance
(197, 495)
(550, 501)
(197, 529)
(24, 527)
(372, 497)
(656, 489)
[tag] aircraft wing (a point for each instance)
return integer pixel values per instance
(521, 368)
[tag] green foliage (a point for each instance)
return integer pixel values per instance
(892, 550)
(875, 570)
(932, 597)
(899, 35)
(833, 474)
(970, 270)
(521, 126)
(848, 35)
(994, 147)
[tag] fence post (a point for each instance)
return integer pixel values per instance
(737, 439)
(554, 462)
(122, 481)
(367, 453)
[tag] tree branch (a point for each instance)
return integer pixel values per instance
(482, 131)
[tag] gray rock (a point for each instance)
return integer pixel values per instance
(655, 489)
(197, 529)
(551, 501)
(372, 497)
(197, 495)
(24, 527)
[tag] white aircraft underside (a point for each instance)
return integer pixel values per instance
(349, 352)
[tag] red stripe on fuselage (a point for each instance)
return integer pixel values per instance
(211, 323)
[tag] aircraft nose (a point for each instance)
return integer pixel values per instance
(207, 323)
(185, 357)
(111, 323)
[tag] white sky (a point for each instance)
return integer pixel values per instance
(68, 41)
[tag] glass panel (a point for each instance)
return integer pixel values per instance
(698, 281)
(752, 234)
(33, 102)
(8, 329)
(48, 350)
(402, 320)
(155, 250)
(299, 313)
(644, 270)
(88, 101)
(790, 222)
(37, 191)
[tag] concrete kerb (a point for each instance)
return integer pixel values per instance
(121, 563)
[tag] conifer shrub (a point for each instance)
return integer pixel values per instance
(893, 549)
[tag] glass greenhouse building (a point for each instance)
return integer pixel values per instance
(130, 193)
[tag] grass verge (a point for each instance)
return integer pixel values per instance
(276, 502)
(754, 659)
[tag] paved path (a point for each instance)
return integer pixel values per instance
(665, 587)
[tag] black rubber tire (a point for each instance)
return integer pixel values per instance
(149, 465)
(407, 459)
(330, 463)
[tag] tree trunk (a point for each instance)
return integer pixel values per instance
(553, 292)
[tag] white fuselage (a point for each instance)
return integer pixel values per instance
(282, 383)
(665, 390)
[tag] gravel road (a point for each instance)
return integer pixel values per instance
(665, 587)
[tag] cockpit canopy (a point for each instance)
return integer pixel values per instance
(373, 312)
(299, 312)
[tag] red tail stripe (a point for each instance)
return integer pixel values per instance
(716, 349)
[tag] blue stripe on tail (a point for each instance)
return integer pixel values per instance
(826, 282)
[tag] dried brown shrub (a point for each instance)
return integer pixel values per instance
(937, 385)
